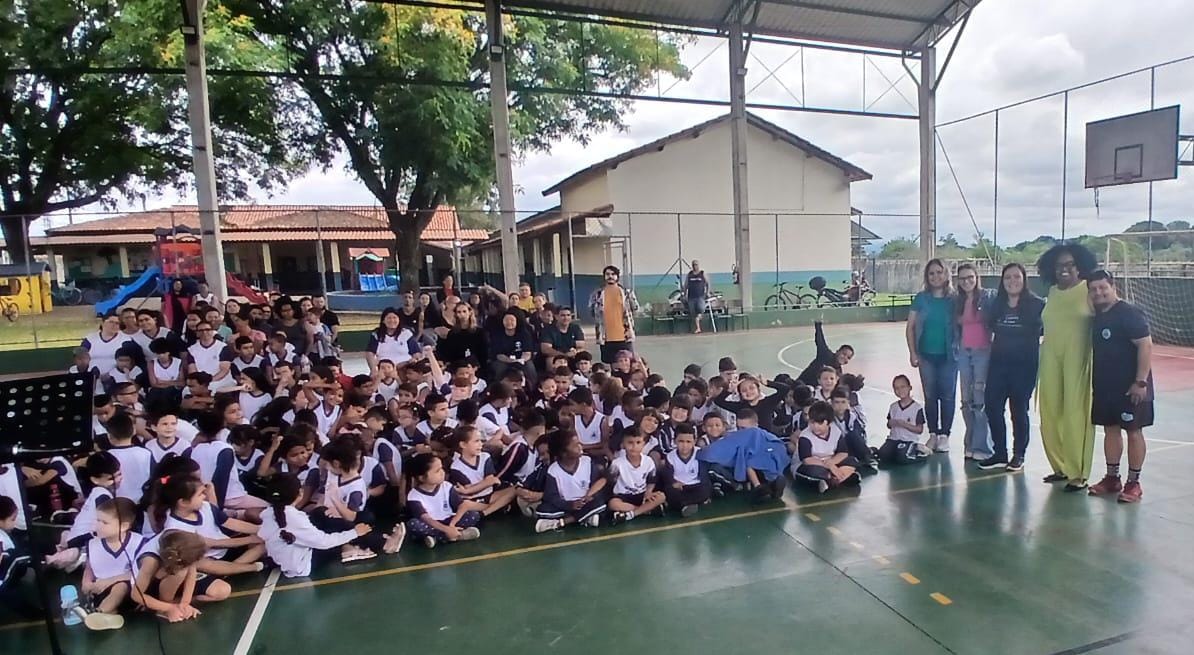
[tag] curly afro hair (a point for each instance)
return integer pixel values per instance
(1084, 259)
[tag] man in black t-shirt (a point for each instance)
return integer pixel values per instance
(1122, 384)
(564, 338)
(326, 316)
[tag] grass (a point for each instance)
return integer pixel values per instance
(66, 326)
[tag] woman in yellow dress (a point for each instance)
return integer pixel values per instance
(1063, 390)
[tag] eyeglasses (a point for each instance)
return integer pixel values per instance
(1065, 265)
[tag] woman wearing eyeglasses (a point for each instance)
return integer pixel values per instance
(1063, 391)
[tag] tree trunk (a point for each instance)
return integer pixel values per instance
(408, 263)
(16, 234)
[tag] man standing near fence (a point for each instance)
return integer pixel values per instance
(613, 307)
(696, 291)
(1122, 382)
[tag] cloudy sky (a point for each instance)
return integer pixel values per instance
(1012, 50)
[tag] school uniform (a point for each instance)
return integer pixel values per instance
(424, 427)
(309, 477)
(103, 353)
(562, 487)
(386, 391)
(251, 405)
(853, 429)
(631, 481)
(208, 359)
(295, 559)
(693, 476)
(518, 461)
(499, 416)
(440, 504)
(249, 464)
(11, 485)
(158, 453)
(136, 465)
(353, 493)
(207, 524)
(105, 562)
(14, 560)
(81, 531)
(465, 474)
(589, 433)
(326, 418)
(399, 348)
(812, 445)
(239, 364)
(168, 373)
(903, 445)
(217, 465)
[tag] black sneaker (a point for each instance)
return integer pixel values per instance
(1072, 487)
(1017, 463)
(777, 486)
(993, 462)
(1055, 477)
(870, 466)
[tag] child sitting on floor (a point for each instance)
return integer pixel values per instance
(291, 540)
(823, 460)
(575, 487)
(906, 422)
(438, 513)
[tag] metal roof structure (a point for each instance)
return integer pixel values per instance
(902, 25)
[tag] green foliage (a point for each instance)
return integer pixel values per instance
(71, 138)
(429, 140)
(900, 248)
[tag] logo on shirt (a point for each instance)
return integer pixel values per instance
(1106, 334)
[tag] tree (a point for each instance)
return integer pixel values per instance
(1159, 242)
(72, 137)
(403, 92)
(900, 248)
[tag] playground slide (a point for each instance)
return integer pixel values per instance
(145, 285)
(238, 287)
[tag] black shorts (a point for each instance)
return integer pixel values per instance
(98, 598)
(1119, 410)
(631, 499)
(202, 584)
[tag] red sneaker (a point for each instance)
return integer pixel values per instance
(1132, 492)
(1110, 484)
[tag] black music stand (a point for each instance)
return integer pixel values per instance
(44, 417)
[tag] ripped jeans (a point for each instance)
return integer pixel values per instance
(972, 367)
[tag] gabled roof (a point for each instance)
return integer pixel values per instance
(253, 222)
(862, 233)
(852, 172)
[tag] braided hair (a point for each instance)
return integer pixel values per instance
(281, 490)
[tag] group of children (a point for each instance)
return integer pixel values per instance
(291, 463)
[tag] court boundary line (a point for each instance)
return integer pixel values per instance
(258, 614)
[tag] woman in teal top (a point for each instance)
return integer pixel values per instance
(930, 336)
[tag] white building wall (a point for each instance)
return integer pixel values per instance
(689, 181)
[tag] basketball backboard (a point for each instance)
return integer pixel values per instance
(1133, 148)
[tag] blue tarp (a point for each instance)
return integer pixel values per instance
(753, 448)
(145, 285)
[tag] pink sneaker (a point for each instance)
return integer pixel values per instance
(1110, 484)
(1132, 493)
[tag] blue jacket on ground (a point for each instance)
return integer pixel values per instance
(753, 448)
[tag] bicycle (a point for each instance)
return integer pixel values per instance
(9, 308)
(67, 294)
(785, 298)
(855, 294)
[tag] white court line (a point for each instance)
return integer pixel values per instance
(1162, 448)
(1179, 443)
(267, 591)
(780, 356)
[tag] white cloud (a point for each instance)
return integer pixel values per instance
(1012, 49)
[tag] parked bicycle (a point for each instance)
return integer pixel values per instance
(9, 308)
(66, 294)
(785, 298)
(857, 293)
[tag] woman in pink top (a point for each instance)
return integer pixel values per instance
(974, 354)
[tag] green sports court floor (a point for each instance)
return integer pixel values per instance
(939, 558)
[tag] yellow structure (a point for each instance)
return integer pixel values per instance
(29, 292)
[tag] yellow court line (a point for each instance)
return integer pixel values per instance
(941, 598)
(578, 542)
(909, 578)
(609, 537)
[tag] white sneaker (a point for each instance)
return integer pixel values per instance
(102, 621)
(547, 525)
(526, 508)
(942, 445)
(468, 534)
(931, 443)
(593, 521)
(394, 541)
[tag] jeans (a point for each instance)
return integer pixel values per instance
(939, 379)
(972, 367)
(1009, 382)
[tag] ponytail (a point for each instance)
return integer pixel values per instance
(282, 489)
